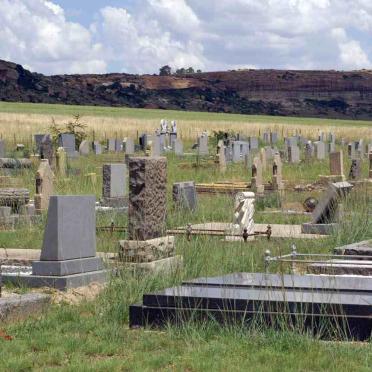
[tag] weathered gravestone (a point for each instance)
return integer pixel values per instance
(203, 145)
(114, 185)
(331, 147)
(326, 213)
(37, 139)
(266, 137)
(336, 163)
(257, 180)
(351, 150)
(293, 154)
(68, 255)
(44, 186)
(184, 195)
(177, 146)
(128, 146)
(243, 213)
(147, 197)
(277, 177)
(263, 158)
(118, 145)
(273, 138)
(84, 147)
(46, 149)
(320, 150)
(156, 147)
(355, 169)
(253, 143)
(111, 144)
(97, 148)
(61, 157)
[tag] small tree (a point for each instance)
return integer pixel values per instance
(165, 71)
(190, 70)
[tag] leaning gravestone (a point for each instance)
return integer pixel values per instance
(44, 186)
(46, 149)
(325, 213)
(184, 195)
(68, 255)
(114, 185)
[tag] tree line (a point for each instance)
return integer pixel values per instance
(167, 71)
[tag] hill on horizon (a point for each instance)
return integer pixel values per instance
(322, 94)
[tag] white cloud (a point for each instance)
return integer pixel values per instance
(36, 33)
(208, 34)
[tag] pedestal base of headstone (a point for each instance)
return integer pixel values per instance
(142, 251)
(115, 202)
(318, 228)
(58, 282)
(326, 180)
(165, 266)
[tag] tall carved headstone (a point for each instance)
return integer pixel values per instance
(336, 163)
(243, 213)
(147, 197)
(44, 186)
(257, 180)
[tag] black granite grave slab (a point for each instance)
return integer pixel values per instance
(345, 303)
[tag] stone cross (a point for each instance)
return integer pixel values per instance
(44, 186)
(147, 197)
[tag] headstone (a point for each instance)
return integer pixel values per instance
(111, 143)
(184, 195)
(46, 149)
(326, 210)
(222, 157)
(355, 169)
(37, 139)
(203, 145)
(114, 185)
(44, 186)
(97, 148)
(236, 152)
(61, 162)
(128, 146)
(118, 145)
(351, 150)
(273, 138)
(67, 141)
(331, 147)
(292, 141)
(84, 148)
(68, 255)
(308, 151)
(253, 143)
(243, 213)
(331, 137)
(257, 179)
(263, 158)
(370, 165)
(319, 147)
(336, 163)
(293, 154)
(156, 149)
(277, 176)
(178, 147)
(147, 197)
(266, 137)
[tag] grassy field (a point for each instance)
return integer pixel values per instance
(94, 335)
(24, 120)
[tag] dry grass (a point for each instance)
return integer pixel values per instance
(20, 127)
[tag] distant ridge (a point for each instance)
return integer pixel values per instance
(327, 94)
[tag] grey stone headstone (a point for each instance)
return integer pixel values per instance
(331, 147)
(37, 139)
(178, 147)
(46, 149)
(294, 154)
(67, 141)
(320, 150)
(157, 148)
(184, 195)
(114, 176)
(172, 138)
(273, 138)
(128, 146)
(84, 148)
(111, 142)
(70, 231)
(355, 169)
(118, 145)
(253, 143)
(97, 148)
(203, 145)
(266, 137)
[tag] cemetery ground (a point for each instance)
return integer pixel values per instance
(94, 334)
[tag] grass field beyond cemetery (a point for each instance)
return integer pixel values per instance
(94, 335)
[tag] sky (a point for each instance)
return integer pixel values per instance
(140, 36)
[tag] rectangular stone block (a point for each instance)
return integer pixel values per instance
(184, 194)
(114, 177)
(147, 197)
(70, 231)
(336, 163)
